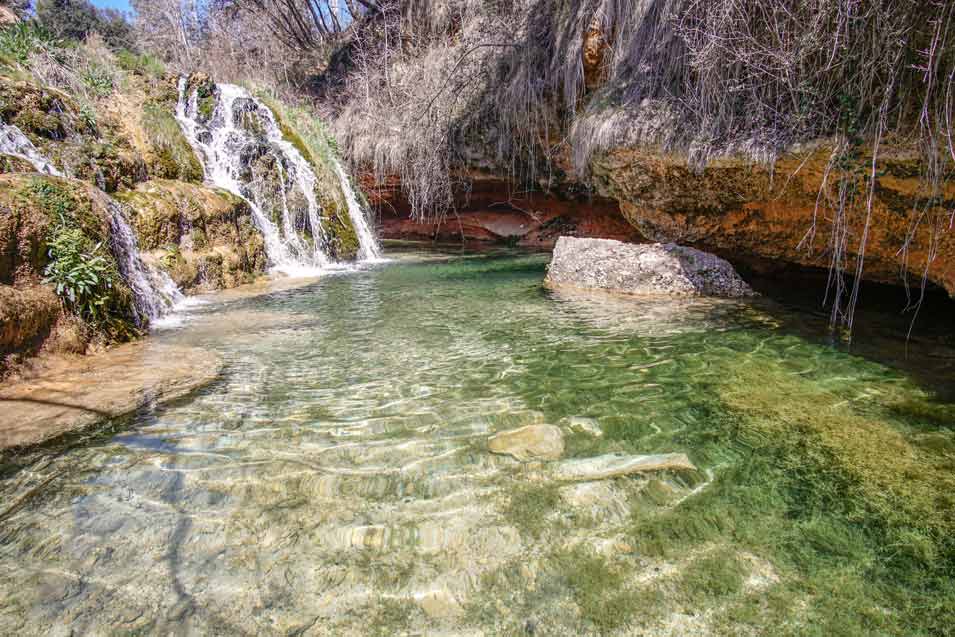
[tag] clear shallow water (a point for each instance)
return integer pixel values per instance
(336, 479)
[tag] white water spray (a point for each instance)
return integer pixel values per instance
(13, 142)
(154, 292)
(294, 243)
(368, 246)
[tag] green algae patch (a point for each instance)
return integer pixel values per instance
(854, 513)
(529, 507)
(599, 589)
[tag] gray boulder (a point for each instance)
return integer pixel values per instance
(642, 269)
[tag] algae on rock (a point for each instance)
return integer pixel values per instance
(203, 237)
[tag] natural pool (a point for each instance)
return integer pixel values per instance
(336, 479)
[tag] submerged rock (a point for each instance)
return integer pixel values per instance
(647, 269)
(438, 604)
(74, 394)
(585, 425)
(545, 442)
(612, 465)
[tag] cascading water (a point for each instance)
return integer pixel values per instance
(368, 246)
(13, 142)
(242, 133)
(154, 293)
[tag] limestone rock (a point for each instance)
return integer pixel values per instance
(75, 394)
(614, 464)
(647, 269)
(545, 442)
(585, 425)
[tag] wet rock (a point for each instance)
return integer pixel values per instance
(545, 442)
(585, 425)
(613, 465)
(648, 269)
(74, 394)
(203, 237)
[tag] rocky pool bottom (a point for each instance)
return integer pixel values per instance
(337, 478)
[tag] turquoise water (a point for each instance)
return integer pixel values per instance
(335, 480)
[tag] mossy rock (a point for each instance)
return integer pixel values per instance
(204, 237)
(205, 90)
(170, 155)
(39, 112)
(11, 164)
(340, 232)
(308, 135)
(33, 207)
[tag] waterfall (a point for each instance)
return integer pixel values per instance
(241, 133)
(368, 245)
(154, 292)
(13, 142)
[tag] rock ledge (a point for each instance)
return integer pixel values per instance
(77, 394)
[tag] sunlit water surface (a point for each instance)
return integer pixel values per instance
(335, 480)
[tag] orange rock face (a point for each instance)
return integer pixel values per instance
(742, 211)
(736, 209)
(492, 212)
(594, 50)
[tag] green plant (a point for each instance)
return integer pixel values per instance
(88, 115)
(21, 40)
(140, 63)
(81, 275)
(98, 80)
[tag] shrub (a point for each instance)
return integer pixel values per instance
(140, 64)
(19, 41)
(81, 275)
(98, 80)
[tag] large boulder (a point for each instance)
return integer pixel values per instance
(642, 269)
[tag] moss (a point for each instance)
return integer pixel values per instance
(934, 414)
(206, 106)
(530, 505)
(854, 515)
(175, 158)
(39, 112)
(390, 616)
(599, 590)
(288, 133)
(716, 575)
(343, 240)
(206, 235)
